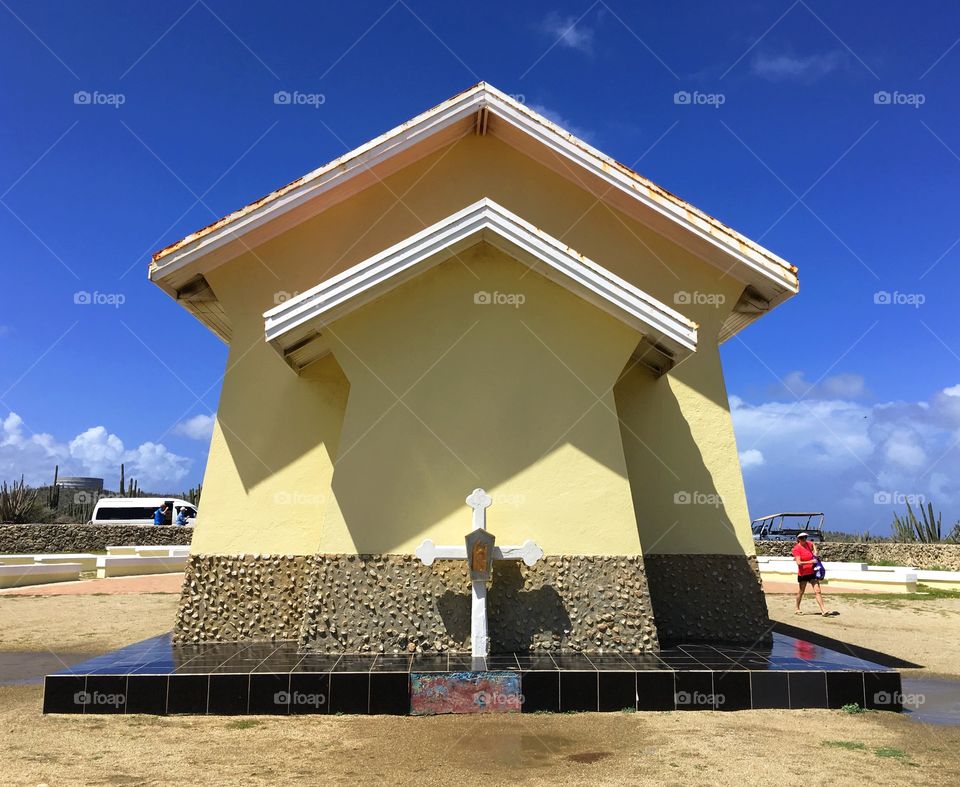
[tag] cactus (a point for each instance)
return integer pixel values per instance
(909, 528)
(121, 478)
(18, 503)
(53, 495)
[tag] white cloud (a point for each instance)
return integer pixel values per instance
(563, 122)
(200, 427)
(93, 452)
(782, 67)
(850, 458)
(568, 32)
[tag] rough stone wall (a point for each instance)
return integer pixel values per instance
(922, 556)
(393, 603)
(704, 598)
(245, 597)
(47, 539)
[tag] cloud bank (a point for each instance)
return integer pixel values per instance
(94, 452)
(858, 461)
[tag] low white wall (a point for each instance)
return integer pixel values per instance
(38, 574)
(87, 562)
(16, 560)
(134, 565)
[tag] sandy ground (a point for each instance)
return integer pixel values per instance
(747, 747)
(153, 583)
(922, 632)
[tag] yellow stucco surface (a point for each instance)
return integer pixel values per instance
(427, 395)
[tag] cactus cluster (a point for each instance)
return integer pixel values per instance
(18, 502)
(927, 530)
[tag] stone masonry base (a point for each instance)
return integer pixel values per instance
(394, 604)
(707, 598)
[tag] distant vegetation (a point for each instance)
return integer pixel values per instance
(22, 504)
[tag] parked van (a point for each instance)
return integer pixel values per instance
(138, 510)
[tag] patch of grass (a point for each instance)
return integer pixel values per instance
(924, 593)
(848, 745)
(242, 724)
(629, 710)
(890, 751)
(852, 707)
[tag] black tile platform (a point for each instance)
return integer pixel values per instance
(272, 678)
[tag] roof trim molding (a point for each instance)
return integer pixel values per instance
(751, 262)
(295, 327)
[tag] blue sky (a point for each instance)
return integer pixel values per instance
(828, 132)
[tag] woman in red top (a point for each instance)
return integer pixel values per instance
(805, 554)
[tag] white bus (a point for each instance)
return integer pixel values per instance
(139, 510)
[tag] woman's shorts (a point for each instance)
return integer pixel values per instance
(801, 579)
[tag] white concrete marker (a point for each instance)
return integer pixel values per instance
(529, 553)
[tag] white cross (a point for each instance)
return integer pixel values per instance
(529, 553)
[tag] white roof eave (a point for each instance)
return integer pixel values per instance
(751, 262)
(483, 220)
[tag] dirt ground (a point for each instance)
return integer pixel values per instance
(746, 747)
(923, 632)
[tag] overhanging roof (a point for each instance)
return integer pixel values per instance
(484, 110)
(296, 328)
